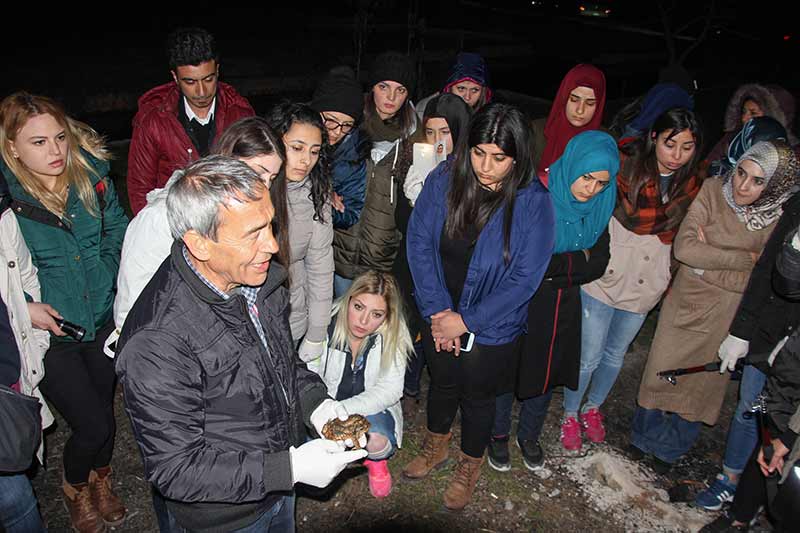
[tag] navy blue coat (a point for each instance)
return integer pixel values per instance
(494, 301)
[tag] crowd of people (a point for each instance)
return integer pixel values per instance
(283, 274)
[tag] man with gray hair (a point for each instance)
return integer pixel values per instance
(218, 399)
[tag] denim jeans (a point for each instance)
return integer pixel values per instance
(278, 519)
(606, 334)
(18, 510)
(743, 433)
(532, 413)
(340, 285)
(414, 370)
(383, 423)
(664, 435)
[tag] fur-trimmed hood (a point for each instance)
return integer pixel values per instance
(763, 95)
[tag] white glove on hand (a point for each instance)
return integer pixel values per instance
(413, 184)
(731, 350)
(310, 350)
(318, 461)
(328, 410)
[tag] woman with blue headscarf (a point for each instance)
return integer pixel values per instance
(583, 191)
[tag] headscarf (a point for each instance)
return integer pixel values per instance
(755, 130)
(781, 169)
(660, 98)
(453, 110)
(469, 67)
(557, 130)
(579, 224)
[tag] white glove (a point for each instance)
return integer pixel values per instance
(412, 186)
(318, 461)
(110, 340)
(310, 350)
(731, 350)
(328, 410)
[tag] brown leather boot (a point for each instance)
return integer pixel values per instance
(433, 454)
(82, 513)
(105, 501)
(462, 484)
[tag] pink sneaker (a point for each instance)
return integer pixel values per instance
(380, 479)
(592, 423)
(571, 434)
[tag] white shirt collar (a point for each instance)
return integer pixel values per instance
(190, 114)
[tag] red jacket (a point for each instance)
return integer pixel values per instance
(160, 145)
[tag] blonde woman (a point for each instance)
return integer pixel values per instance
(364, 366)
(57, 174)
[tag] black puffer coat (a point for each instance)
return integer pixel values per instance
(213, 412)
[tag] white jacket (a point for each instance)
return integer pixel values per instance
(382, 390)
(147, 243)
(17, 279)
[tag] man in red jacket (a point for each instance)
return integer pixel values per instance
(178, 122)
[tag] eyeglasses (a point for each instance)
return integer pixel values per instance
(333, 125)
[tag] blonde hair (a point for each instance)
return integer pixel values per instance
(15, 111)
(396, 343)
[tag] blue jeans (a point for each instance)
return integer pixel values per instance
(278, 519)
(18, 510)
(340, 285)
(383, 423)
(414, 370)
(606, 334)
(743, 433)
(532, 413)
(664, 435)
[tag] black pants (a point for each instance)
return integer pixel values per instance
(79, 381)
(471, 382)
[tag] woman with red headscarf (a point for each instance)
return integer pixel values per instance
(577, 107)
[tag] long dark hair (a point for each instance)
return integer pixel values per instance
(642, 165)
(251, 137)
(281, 118)
(505, 126)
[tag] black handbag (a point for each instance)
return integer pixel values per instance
(20, 429)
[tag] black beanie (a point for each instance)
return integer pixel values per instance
(393, 66)
(339, 91)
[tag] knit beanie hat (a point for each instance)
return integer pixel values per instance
(339, 91)
(393, 66)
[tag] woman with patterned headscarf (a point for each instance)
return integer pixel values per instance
(717, 246)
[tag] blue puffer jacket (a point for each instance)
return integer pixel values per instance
(494, 302)
(349, 174)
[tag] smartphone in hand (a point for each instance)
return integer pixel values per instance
(467, 340)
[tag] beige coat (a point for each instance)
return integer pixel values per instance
(700, 305)
(18, 278)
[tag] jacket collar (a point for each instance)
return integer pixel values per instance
(277, 275)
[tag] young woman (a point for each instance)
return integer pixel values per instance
(340, 102)
(57, 173)
(578, 106)
(389, 117)
(481, 236)
(583, 189)
(656, 184)
(310, 232)
(446, 119)
(749, 101)
(148, 239)
(364, 363)
(717, 245)
(468, 79)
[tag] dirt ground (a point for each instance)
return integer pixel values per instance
(518, 500)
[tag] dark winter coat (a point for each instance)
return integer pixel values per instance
(77, 254)
(160, 144)
(764, 316)
(213, 412)
(348, 166)
(551, 351)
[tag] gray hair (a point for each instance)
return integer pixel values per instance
(195, 198)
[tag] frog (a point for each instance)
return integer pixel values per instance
(353, 428)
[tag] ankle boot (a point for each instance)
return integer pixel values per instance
(83, 515)
(462, 484)
(105, 501)
(433, 454)
(380, 479)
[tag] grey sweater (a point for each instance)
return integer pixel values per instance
(311, 264)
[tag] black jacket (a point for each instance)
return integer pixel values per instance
(213, 412)
(765, 316)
